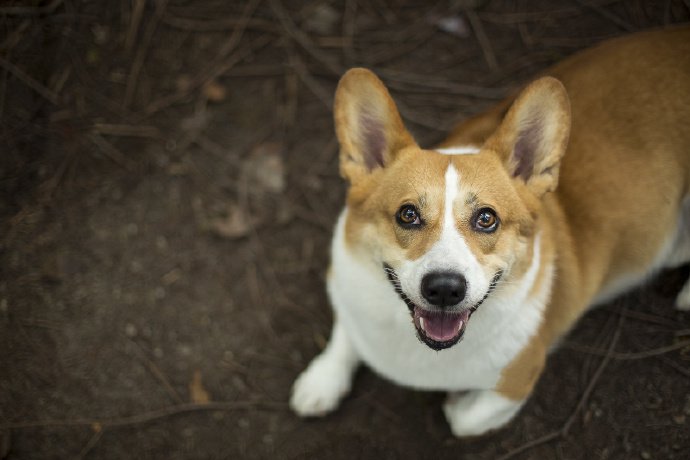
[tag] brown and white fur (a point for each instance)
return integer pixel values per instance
(558, 199)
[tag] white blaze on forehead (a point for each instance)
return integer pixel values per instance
(451, 194)
(450, 253)
(460, 150)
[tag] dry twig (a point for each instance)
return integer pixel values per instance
(157, 373)
(303, 39)
(91, 444)
(630, 355)
(146, 417)
(110, 129)
(310, 82)
(30, 11)
(205, 76)
(134, 22)
(607, 15)
(221, 24)
(29, 81)
(138, 63)
(484, 43)
(110, 151)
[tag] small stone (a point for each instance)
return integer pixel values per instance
(214, 91)
(323, 19)
(645, 455)
(185, 350)
(130, 330)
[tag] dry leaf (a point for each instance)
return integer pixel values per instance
(235, 225)
(214, 91)
(197, 392)
(323, 20)
(454, 25)
(265, 169)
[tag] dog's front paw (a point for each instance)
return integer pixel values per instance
(319, 389)
(475, 412)
(683, 299)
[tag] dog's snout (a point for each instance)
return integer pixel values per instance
(444, 289)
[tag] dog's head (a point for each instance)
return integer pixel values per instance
(446, 229)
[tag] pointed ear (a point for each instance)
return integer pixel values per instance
(533, 136)
(368, 124)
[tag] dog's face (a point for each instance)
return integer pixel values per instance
(445, 229)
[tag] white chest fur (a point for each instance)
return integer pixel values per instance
(379, 325)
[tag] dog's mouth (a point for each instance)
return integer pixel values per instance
(438, 329)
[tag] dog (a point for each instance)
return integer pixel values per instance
(459, 268)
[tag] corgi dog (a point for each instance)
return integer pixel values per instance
(458, 268)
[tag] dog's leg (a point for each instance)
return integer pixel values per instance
(683, 299)
(680, 254)
(328, 378)
(476, 412)
(683, 256)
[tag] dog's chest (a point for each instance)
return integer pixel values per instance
(380, 327)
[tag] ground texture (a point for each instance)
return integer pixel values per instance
(168, 184)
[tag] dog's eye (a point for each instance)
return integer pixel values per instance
(485, 220)
(408, 216)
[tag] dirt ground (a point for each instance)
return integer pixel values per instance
(169, 182)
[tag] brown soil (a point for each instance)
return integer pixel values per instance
(169, 182)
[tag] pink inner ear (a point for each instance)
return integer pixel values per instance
(373, 140)
(525, 151)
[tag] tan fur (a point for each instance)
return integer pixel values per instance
(614, 209)
(610, 171)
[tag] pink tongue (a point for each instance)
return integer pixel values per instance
(442, 326)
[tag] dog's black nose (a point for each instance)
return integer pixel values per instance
(444, 289)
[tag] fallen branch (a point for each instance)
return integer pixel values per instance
(630, 355)
(146, 417)
(29, 81)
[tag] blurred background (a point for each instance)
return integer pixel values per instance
(168, 185)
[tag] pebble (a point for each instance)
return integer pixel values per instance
(130, 330)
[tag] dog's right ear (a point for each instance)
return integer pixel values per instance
(368, 124)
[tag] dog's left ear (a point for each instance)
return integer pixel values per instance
(369, 127)
(533, 136)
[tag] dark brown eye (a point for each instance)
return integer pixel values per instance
(408, 216)
(485, 220)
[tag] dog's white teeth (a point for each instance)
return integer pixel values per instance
(421, 324)
(462, 323)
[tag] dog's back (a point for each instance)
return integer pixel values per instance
(629, 98)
